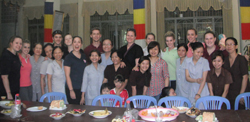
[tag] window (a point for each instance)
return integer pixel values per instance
(179, 22)
(113, 26)
(36, 29)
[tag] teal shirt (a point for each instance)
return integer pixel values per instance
(170, 57)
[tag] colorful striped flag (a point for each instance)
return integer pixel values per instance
(48, 21)
(139, 18)
(245, 19)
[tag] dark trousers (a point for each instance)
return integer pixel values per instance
(78, 96)
(26, 93)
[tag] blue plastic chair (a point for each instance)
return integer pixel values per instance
(246, 97)
(176, 101)
(212, 102)
(141, 101)
(54, 96)
(108, 100)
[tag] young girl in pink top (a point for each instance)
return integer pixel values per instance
(25, 70)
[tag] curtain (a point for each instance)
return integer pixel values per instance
(193, 5)
(89, 8)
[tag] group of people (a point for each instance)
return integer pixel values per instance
(190, 70)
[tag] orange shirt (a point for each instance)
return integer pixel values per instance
(25, 71)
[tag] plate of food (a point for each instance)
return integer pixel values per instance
(36, 108)
(193, 112)
(207, 117)
(100, 113)
(57, 115)
(166, 114)
(7, 104)
(6, 112)
(154, 107)
(180, 109)
(76, 112)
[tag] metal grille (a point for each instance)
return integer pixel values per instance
(180, 21)
(113, 26)
(9, 12)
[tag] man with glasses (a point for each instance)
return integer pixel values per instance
(95, 34)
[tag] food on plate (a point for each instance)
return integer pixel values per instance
(57, 104)
(208, 116)
(180, 109)
(3, 97)
(57, 114)
(6, 111)
(40, 107)
(162, 114)
(118, 120)
(144, 113)
(193, 112)
(77, 111)
(11, 103)
(101, 113)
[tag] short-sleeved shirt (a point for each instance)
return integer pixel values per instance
(35, 74)
(170, 57)
(237, 70)
(43, 71)
(139, 79)
(91, 47)
(105, 62)
(190, 50)
(219, 82)
(123, 95)
(58, 78)
(10, 65)
(145, 51)
(159, 72)
(76, 69)
(25, 72)
(209, 57)
(133, 53)
(110, 73)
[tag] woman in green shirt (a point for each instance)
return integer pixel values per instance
(170, 56)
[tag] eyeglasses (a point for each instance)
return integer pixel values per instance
(106, 44)
(230, 45)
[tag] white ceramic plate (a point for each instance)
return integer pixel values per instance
(76, 114)
(191, 115)
(92, 114)
(149, 116)
(58, 108)
(182, 109)
(57, 118)
(35, 109)
(5, 113)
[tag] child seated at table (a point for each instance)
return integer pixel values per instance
(165, 92)
(118, 81)
(105, 89)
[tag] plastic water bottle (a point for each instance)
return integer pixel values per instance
(16, 109)
(127, 114)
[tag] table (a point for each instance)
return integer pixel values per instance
(43, 116)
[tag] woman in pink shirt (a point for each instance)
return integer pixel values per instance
(25, 70)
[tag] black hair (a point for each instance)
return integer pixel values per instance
(95, 28)
(142, 58)
(165, 92)
(46, 45)
(119, 78)
(196, 45)
(11, 40)
(57, 32)
(37, 44)
(104, 85)
(195, 31)
(107, 39)
(115, 51)
(211, 32)
(131, 29)
(149, 34)
(217, 53)
(54, 51)
(182, 45)
(152, 45)
(235, 41)
(98, 53)
(77, 37)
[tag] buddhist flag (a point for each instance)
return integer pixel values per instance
(245, 19)
(48, 21)
(139, 18)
